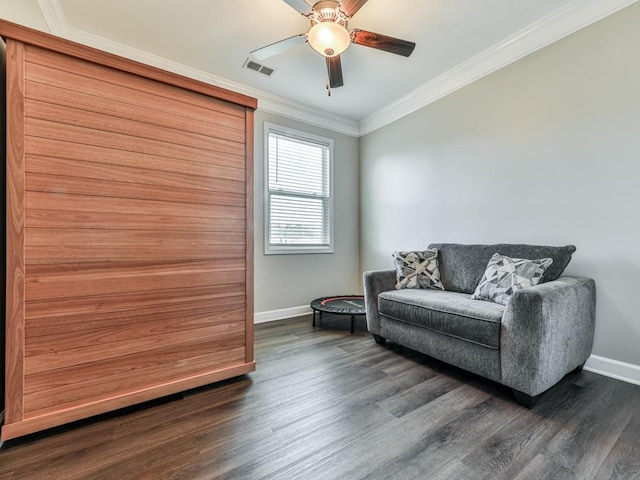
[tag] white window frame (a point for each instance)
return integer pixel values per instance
(306, 137)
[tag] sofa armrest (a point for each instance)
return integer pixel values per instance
(376, 282)
(547, 331)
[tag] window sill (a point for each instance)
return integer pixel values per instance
(296, 250)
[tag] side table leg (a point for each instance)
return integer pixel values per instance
(352, 320)
(314, 318)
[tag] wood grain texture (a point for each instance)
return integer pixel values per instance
(14, 369)
(114, 368)
(129, 91)
(382, 42)
(228, 350)
(217, 124)
(47, 218)
(91, 203)
(131, 216)
(160, 318)
(127, 124)
(319, 407)
(131, 175)
(142, 83)
(71, 310)
(218, 166)
(80, 280)
(82, 354)
(120, 141)
(107, 188)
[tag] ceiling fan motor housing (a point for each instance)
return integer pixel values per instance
(328, 11)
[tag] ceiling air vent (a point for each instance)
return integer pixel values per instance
(256, 67)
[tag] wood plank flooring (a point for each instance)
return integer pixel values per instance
(324, 404)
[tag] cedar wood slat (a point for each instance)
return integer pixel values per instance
(82, 236)
(46, 218)
(68, 185)
(88, 354)
(228, 351)
(100, 138)
(49, 254)
(144, 86)
(86, 203)
(114, 366)
(138, 176)
(215, 125)
(51, 281)
(72, 310)
(220, 165)
(132, 127)
(168, 318)
(118, 332)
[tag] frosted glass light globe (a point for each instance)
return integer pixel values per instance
(328, 38)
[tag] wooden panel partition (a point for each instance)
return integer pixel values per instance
(130, 237)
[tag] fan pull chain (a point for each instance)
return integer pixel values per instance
(328, 89)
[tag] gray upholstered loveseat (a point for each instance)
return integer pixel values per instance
(543, 333)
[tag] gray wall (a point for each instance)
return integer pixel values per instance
(285, 281)
(544, 151)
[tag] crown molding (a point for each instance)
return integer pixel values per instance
(555, 26)
(54, 16)
(56, 21)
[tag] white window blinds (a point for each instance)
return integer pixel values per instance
(299, 203)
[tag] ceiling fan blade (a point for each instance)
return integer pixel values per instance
(350, 7)
(300, 5)
(382, 42)
(278, 47)
(334, 68)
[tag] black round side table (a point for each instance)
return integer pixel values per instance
(339, 305)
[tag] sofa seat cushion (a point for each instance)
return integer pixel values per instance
(448, 313)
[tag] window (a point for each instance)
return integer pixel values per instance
(299, 187)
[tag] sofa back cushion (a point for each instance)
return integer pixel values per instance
(462, 266)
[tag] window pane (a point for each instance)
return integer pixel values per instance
(298, 221)
(298, 166)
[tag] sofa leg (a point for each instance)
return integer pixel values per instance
(379, 340)
(524, 399)
(579, 368)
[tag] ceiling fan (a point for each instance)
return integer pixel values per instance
(329, 36)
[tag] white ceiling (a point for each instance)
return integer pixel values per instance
(212, 38)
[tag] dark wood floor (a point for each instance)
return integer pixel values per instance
(325, 404)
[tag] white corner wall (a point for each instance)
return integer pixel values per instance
(546, 150)
(286, 284)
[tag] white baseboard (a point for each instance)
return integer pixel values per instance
(627, 372)
(273, 315)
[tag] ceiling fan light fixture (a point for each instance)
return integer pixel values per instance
(328, 38)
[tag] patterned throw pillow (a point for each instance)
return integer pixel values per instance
(504, 275)
(417, 269)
